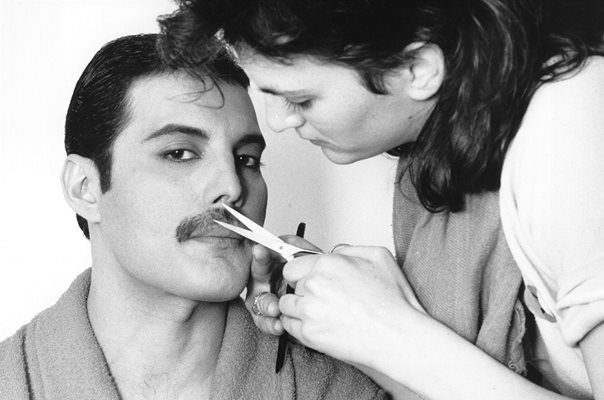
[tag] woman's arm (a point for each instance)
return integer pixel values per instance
(552, 209)
(592, 347)
(354, 306)
(438, 364)
(389, 385)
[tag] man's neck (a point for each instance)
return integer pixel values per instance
(156, 345)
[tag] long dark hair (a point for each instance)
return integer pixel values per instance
(497, 53)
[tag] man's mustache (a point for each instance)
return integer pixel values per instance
(202, 224)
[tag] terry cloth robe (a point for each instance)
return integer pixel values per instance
(57, 357)
(462, 270)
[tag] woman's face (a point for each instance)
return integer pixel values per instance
(328, 105)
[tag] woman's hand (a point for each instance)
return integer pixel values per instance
(357, 306)
(344, 299)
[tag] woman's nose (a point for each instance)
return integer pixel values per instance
(279, 117)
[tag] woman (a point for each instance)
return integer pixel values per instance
(495, 109)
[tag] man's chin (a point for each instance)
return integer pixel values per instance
(227, 294)
(209, 273)
(222, 289)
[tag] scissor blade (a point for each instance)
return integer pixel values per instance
(253, 236)
(251, 225)
(277, 245)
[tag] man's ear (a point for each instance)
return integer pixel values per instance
(426, 70)
(81, 186)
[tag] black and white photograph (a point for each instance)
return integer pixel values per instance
(311, 200)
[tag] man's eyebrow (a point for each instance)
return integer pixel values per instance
(172, 129)
(252, 138)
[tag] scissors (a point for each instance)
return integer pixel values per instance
(260, 235)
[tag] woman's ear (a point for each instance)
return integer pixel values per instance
(81, 186)
(426, 70)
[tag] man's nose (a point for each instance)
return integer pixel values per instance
(226, 186)
(279, 117)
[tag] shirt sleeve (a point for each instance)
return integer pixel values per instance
(554, 178)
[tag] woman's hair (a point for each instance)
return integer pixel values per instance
(497, 52)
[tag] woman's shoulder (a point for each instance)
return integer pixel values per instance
(552, 170)
(573, 93)
(591, 69)
(565, 115)
(551, 195)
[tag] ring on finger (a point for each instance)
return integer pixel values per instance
(255, 308)
(334, 248)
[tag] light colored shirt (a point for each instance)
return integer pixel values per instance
(552, 212)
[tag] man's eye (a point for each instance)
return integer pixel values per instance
(248, 161)
(180, 155)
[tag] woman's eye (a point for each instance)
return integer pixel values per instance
(248, 161)
(180, 155)
(297, 105)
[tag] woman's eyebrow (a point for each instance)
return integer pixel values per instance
(277, 92)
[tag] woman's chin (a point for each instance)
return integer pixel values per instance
(342, 157)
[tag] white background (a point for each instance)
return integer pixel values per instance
(44, 46)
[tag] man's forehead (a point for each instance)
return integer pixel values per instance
(178, 99)
(177, 87)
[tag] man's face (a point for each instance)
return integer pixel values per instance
(181, 154)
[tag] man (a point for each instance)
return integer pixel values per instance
(152, 155)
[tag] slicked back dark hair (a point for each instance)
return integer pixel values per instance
(99, 108)
(495, 58)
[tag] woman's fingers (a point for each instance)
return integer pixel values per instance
(344, 299)
(299, 242)
(288, 305)
(299, 268)
(380, 256)
(369, 253)
(293, 326)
